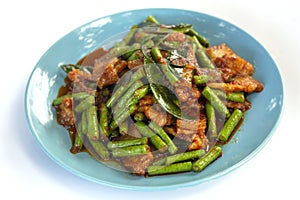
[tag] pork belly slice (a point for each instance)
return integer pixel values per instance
(138, 164)
(105, 72)
(193, 131)
(156, 114)
(240, 84)
(228, 62)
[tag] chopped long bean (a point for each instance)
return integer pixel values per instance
(126, 143)
(84, 122)
(172, 148)
(122, 116)
(184, 156)
(85, 104)
(129, 93)
(104, 127)
(212, 124)
(230, 124)
(153, 138)
(205, 61)
(156, 54)
(203, 41)
(207, 159)
(78, 142)
(130, 151)
(231, 96)
(152, 19)
(121, 90)
(93, 130)
(201, 79)
(99, 149)
(215, 101)
(236, 97)
(140, 116)
(169, 169)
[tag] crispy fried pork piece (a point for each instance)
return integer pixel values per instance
(193, 131)
(176, 36)
(137, 62)
(104, 71)
(66, 116)
(241, 106)
(170, 130)
(185, 93)
(77, 75)
(187, 74)
(228, 62)
(138, 164)
(185, 90)
(187, 124)
(120, 65)
(147, 100)
(183, 56)
(145, 103)
(199, 142)
(240, 84)
(80, 78)
(156, 114)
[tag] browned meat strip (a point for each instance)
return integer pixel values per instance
(147, 100)
(187, 124)
(137, 62)
(77, 75)
(65, 114)
(176, 36)
(216, 75)
(187, 74)
(170, 130)
(236, 105)
(249, 83)
(157, 114)
(192, 110)
(186, 137)
(228, 62)
(239, 84)
(185, 90)
(138, 164)
(80, 78)
(120, 65)
(180, 61)
(191, 126)
(199, 142)
(104, 71)
(186, 55)
(193, 131)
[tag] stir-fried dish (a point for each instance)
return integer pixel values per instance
(160, 101)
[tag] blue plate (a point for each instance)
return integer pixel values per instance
(46, 78)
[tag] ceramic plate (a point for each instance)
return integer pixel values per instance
(46, 78)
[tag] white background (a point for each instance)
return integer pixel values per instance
(29, 28)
